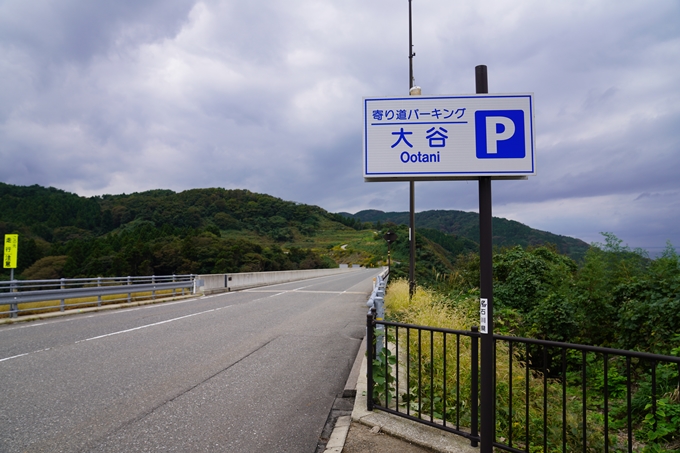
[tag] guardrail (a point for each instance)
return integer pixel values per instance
(16, 292)
(69, 293)
(217, 283)
(376, 305)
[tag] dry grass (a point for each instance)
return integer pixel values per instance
(428, 308)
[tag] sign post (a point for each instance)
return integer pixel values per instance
(487, 395)
(459, 137)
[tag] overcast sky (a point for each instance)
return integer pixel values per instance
(102, 97)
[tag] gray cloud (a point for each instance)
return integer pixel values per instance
(130, 96)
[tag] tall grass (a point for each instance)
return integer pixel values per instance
(430, 393)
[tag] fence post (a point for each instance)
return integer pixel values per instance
(99, 298)
(369, 360)
(379, 307)
(62, 303)
(13, 307)
(474, 390)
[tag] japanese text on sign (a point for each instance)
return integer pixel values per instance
(483, 316)
(11, 249)
(415, 114)
(448, 137)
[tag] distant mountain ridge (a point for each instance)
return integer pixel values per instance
(214, 230)
(506, 233)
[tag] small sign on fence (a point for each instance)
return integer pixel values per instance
(483, 319)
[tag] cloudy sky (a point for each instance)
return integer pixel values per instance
(117, 97)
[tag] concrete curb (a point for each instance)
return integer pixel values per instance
(351, 385)
(339, 435)
(416, 433)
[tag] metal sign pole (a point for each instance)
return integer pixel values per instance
(412, 238)
(390, 237)
(412, 184)
(487, 428)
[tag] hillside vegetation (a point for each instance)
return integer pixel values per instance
(617, 297)
(216, 230)
(465, 225)
(159, 232)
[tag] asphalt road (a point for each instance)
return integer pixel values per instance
(249, 371)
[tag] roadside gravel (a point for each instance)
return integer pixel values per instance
(363, 439)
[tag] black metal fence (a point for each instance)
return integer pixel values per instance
(549, 396)
(418, 376)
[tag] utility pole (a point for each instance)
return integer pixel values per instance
(412, 184)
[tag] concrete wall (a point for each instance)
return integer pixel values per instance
(218, 283)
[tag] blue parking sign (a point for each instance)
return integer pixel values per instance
(449, 137)
(500, 134)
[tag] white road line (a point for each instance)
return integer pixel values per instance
(15, 356)
(122, 331)
(10, 327)
(25, 353)
(278, 293)
(151, 325)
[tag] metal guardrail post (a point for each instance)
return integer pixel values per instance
(379, 307)
(13, 308)
(174, 279)
(62, 303)
(153, 292)
(129, 282)
(369, 360)
(474, 397)
(99, 298)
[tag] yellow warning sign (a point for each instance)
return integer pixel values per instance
(11, 248)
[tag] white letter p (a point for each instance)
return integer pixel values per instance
(492, 134)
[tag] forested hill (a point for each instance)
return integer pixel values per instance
(506, 233)
(158, 232)
(204, 231)
(55, 214)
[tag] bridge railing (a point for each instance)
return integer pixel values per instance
(583, 398)
(40, 296)
(36, 296)
(549, 396)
